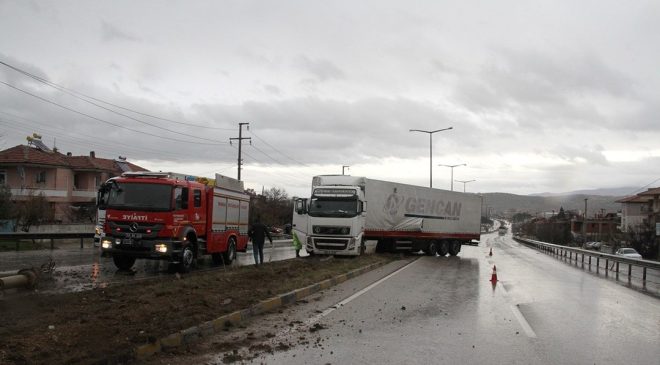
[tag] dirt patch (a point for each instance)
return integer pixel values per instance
(85, 327)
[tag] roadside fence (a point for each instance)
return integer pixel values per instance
(581, 255)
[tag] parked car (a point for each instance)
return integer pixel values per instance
(595, 245)
(628, 252)
(276, 230)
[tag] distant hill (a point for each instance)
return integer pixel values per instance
(512, 203)
(624, 191)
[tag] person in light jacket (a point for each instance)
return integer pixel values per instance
(297, 245)
(258, 233)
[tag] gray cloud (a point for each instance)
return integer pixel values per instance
(321, 69)
(110, 33)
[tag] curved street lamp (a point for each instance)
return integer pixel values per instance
(452, 172)
(465, 182)
(431, 150)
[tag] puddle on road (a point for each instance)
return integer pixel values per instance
(101, 272)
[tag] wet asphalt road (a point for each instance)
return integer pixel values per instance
(445, 311)
(83, 269)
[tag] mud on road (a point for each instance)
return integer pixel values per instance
(88, 327)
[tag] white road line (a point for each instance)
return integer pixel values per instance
(523, 322)
(354, 296)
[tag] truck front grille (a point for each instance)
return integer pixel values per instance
(331, 243)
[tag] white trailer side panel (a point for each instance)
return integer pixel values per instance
(401, 207)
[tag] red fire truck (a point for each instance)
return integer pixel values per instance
(175, 217)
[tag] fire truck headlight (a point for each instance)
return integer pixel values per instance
(106, 244)
(117, 241)
(161, 247)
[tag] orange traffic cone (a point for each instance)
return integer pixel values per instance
(493, 278)
(491, 252)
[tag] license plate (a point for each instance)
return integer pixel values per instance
(134, 235)
(127, 241)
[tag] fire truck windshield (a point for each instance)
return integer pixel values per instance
(139, 196)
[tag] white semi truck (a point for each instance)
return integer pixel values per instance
(346, 214)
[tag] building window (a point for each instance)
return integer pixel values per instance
(41, 177)
(3, 177)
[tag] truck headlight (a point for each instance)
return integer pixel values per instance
(161, 247)
(106, 244)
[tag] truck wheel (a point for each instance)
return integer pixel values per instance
(432, 249)
(454, 248)
(230, 254)
(187, 259)
(123, 262)
(443, 248)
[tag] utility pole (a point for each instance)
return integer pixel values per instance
(240, 144)
(431, 150)
(342, 169)
(584, 223)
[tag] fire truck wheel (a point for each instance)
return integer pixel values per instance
(187, 259)
(454, 248)
(432, 250)
(230, 254)
(123, 262)
(443, 248)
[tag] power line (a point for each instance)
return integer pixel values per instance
(643, 187)
(85, 138)
(80, 95)
(280, 152)
(102, 120)
(121, 114)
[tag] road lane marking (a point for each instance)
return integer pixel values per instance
(523, 322)
(356, 295)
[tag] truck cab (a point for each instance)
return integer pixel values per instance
(332, 220)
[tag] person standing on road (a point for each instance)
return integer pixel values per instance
(258, 233)
(297, 245)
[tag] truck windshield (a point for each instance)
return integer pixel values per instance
(323, 207)
(136, 196)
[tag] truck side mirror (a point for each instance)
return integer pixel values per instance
(301, 206)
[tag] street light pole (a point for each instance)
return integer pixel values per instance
(431, 150)
(452, 172)
(465, 182)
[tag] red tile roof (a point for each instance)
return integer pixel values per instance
(651, 192)
(634, 199)
(27, 155)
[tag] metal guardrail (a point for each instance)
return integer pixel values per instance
(568, 252)
(47, 236)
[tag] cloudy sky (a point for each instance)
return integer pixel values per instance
(543, 96)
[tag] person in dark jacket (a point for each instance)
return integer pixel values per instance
(258, 233)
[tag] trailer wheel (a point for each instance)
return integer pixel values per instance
(123, 262)
(187, 259)
(454, 248)
(432, 248)
(443, 248)
(230, 254)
